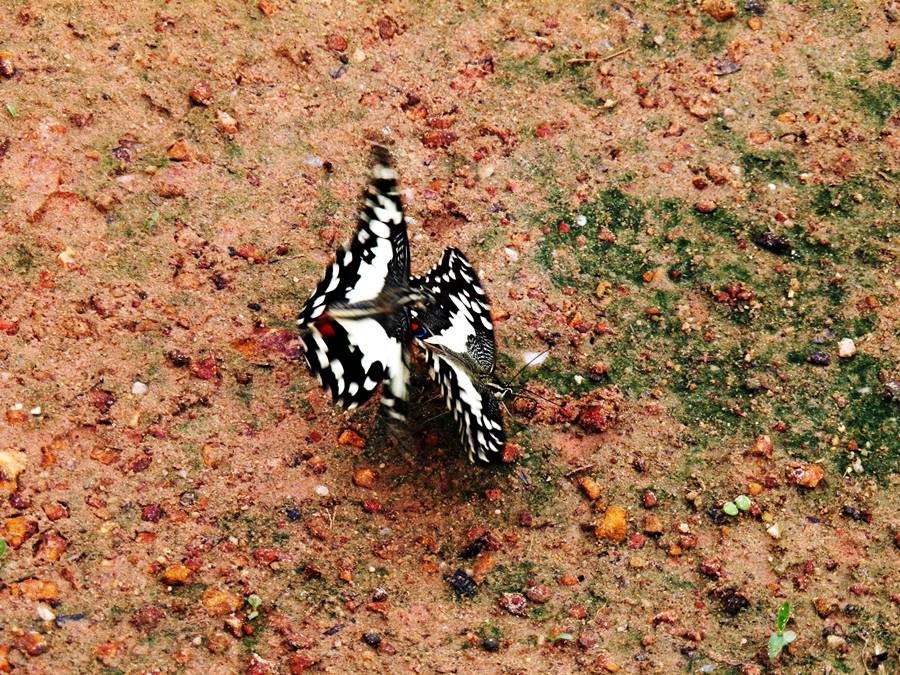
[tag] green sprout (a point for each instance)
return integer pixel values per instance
(254, 601)
(2, 548)
(561, 636)
(151, 222)
(740, 503)
(11, 109)
(781, 638)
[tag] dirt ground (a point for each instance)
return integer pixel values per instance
(692, 205)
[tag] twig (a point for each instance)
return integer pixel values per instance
(580, 469)
(596, 59)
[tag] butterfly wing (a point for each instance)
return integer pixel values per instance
(378, 255)
(457, 334)
(473, 406)
(458, 317)
(351, 356)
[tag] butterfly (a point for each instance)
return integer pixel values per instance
(355, 327)
(455, 331)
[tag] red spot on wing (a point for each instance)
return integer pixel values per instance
(414, 326)
(326, 328)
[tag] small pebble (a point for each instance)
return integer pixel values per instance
(490, 644)
(462, 582)
(581, 220)
(514, 603)
(35, 411)
(539, 593)
(321, 490)
(819, 359)
(372, 639)
(836, 643)
(846, 348)
(45, 613)
(139, 388)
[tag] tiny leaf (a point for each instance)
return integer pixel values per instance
(730, 508)
(2, 548)
(254, 601)
(783, 615)
(789, 636)
(776, 644)
(11, 109)
(742, 502)
(562, 636)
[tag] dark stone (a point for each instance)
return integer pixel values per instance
(757, 7)
(733, 601)
(490, 644)
(462, 583)
(474, 549)
(770, 242)
(819, 359)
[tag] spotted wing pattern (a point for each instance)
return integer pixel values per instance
(351, 356)
(457, 335)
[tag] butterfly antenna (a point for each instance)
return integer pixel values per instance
(433, 418)
(521, 370)
(531, 396)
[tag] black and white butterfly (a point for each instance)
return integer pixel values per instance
(355, 327)
(455, 330)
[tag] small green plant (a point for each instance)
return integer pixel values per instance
(254, 601)
(740, 503)
(11, 109)
(2, 548)
(151, 222)
(781, 638)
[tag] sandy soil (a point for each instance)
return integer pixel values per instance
(690, 204)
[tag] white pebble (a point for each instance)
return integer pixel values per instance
(579, 379)
(511, 253)
(534, 358)
(774, 531)
(18, 406)
(139, 388)
(321, 490)
(581, 220)
(36, 410)
(846, 348)
(45, 613)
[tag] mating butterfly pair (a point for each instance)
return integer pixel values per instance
(359, 321)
